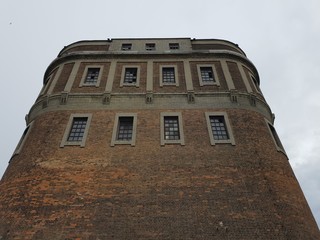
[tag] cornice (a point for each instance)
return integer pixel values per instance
(124, 101)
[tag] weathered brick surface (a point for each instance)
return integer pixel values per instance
(63, 78)
(148, 191)
(236, 76)
(196, 191)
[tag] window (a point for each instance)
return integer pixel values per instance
(130, 76)
(126, 46)
(124, 130)
(171, 128)
(169, 75)
(207, 75)
(22, 139)
(174, 46)
(77, 130)
(91, 76)
(275, 137)
(45, 85)
(255, 83)
(125, 127)
(150, 46)
(219, 128)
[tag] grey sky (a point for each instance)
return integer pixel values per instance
(280, 37)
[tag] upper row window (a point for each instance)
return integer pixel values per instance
(174, 46)
(126, 46)
(130, 76)
(92, 76)
(207, 75)
(255, 83)
(149, 46)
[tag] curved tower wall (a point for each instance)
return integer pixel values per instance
(152, 138)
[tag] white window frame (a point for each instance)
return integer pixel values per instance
(163, 141)
(213, 141)
(114, 140)
(82, 143)
(85, 73)
(216, 81)
(136, 84)
(175, 67)
(270, 127)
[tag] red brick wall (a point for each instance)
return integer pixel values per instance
(196, 191)
(63, 78)
(236, 76)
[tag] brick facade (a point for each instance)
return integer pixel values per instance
(148, 191)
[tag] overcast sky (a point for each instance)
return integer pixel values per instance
(281, 37)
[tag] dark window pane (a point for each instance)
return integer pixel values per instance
(130, 75)
(92, 76)
(168, 75)
(77, 129)
(126, 46)
(125, 128)
(150, 46)
(174, 46)
(218, 128)
(171, 128)
(207, 74)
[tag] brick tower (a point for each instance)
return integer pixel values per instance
(152, 139)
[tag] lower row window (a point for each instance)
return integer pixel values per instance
(77, 130)
(219, 128)
(171, 129)
(124, 130)
(275, 137)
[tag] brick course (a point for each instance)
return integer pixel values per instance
(148, 191)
